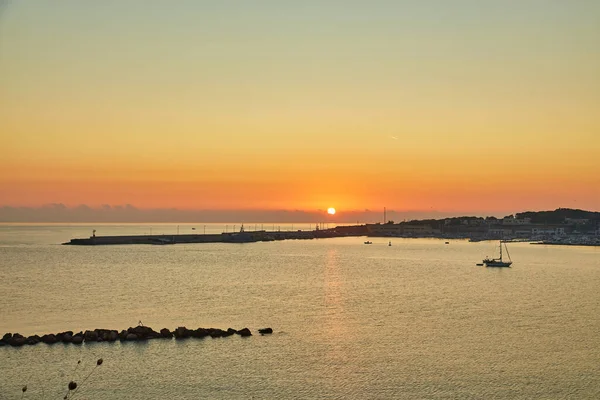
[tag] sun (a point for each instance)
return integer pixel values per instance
(331, 210)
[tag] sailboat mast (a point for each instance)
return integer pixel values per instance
(500, 250)
(507, 253)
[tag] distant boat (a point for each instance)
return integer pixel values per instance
(498, 262)
(368, 242)
(447, 243)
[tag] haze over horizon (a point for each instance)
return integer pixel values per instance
(58, 213)
(459, 107)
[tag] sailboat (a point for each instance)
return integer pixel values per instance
(498, 262)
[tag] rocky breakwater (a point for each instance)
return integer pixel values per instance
(132, 334)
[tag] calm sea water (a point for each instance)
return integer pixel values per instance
(417, 320)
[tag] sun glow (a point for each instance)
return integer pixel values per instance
(331, 210)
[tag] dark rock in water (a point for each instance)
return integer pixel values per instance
(244, 332)
(77, 339)
(165, 333)
(143, 330)
(17, 340)
(182, 333)
(49, 339)
(229, 332)
(112, 336)
(64, 337)
(200, 333)
(90, 336)
(216, 333)
(35, 339)
(132, 334)
(101, 334)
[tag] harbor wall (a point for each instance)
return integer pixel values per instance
(238, 237)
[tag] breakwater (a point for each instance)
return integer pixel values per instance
(132, 334)
(231, 237)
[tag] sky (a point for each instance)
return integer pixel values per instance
(462, 106)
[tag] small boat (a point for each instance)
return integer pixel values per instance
(447, 243)
(498, 262)
(368, 242)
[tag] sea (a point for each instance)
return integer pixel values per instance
(414, 320)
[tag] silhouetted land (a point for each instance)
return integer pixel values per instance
(561, 226)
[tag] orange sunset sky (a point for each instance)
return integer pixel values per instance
(455, 106)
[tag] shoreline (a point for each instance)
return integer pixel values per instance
(269, 236)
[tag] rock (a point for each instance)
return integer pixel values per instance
(17, 340)
(64, 337)
(145, 332)
(216, 333)
(90, 336)
(137, 333)
(77, 339)
(200, 333)
(49, 339)
(34, 339)
(244, 332)
(164, 332)
(104, 333)
(228, 332)
(182, 333)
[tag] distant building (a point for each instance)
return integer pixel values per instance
(577, 221)
(418, 229)
(510, 220)
(548, 231)
(401, 229)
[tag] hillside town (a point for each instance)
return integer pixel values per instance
(561, 226)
